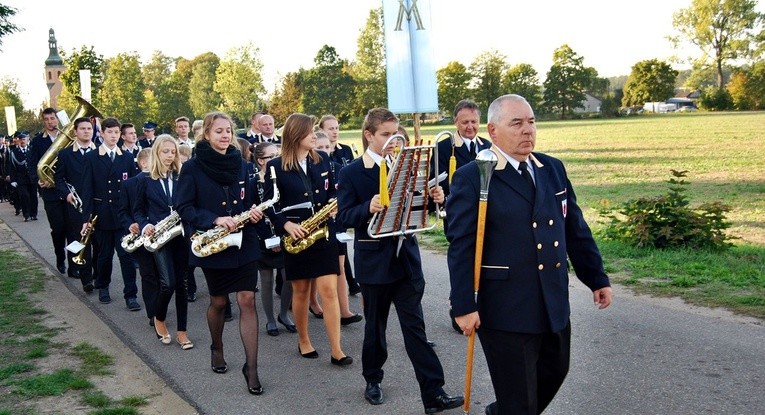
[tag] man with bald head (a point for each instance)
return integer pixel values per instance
(532, 226)
(266, 126)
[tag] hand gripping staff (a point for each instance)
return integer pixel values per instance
(486, 161)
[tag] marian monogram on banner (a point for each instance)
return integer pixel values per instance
(411, 71)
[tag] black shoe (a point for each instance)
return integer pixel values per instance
(373, 393)
(430, 343)
(290, 327)
(354, 290)
(315, 314)
(61, 268)
(151, 321)
(132, 304)
(350, 320)
(103, 296)
(216, 369)
(443, 401)
(17, 213)
(191, 297)
(34, 217)
(455, 326)
(310, 355)
(343, 361)
(26, 219)
(272, 331)
(88, 287)
(491, 409)
(255, 390)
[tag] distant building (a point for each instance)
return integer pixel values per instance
(590, 104)
(54, 67)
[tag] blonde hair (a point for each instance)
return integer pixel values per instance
(296, 128)
(156, 168)
(184, 151)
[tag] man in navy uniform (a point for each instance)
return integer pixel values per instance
(533, 224)
(104, 170)
(69, 170)
(20, 179)
(388, 273)
(148, 134)
(266, 126)
(55, 207)
(253, 134)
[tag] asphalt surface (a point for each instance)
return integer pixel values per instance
(641, 356)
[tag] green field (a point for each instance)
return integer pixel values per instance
(612, 161)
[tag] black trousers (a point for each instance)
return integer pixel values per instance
(526, 369)
(107, 242)
(406, 295)
(172, 266)
(28, 199)
(58, 219)
(149, 279)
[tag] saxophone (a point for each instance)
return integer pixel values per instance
(315, 231)
(131, 242)
(80, 258)
(220, 238)
(165, 230)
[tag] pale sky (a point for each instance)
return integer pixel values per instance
(610, 35)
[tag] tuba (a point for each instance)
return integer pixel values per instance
(165, 230)
(219, 238)
(47, 163)
(314, 228)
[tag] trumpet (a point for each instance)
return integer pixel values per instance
(131, 242)
(80, 258)
(77, 202)
(219, 238)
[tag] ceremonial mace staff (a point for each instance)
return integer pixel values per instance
(486, 161)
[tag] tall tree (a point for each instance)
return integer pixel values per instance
(650, 81)
(202, 96)
(287, 98)
(453, 85)
(6, 27)
(328, 87)
(567, 81)
(173, 98)
(9, 97)
(85, 58)
(747, 87)
(368, 70)
(722, 29)
(157, 71)
(122, 94)
(487, 69)
(239, 82)
(523, 79)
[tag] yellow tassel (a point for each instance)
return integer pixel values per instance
(452, 167)
(384, 197)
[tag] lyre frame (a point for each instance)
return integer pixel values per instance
(393, 178)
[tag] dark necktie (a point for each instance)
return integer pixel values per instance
(168, 191)
(111, 155)
(471, 149)
(524, 168)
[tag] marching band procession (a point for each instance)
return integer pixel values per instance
(275, 209)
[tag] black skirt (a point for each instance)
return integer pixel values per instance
(225, 281)
(319, 259)
(270, 260)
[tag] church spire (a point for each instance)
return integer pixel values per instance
(53, 57)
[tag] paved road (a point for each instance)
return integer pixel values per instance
(641, 356)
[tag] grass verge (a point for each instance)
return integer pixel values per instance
(41, 368)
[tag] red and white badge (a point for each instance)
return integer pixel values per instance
(564, 206)
(326, 184)
(241, 193)
(124, 176)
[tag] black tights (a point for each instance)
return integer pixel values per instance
(248, 330)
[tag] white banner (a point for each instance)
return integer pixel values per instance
(10, 119)
(411, 70)
(85, 84)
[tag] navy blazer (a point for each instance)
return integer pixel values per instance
(129, 193)
(461, 154)
(524, 272)
(19, 162)
(374, 260)
(201, 200)
(342, 155)
(101, 180)
(151, 203)
(70, 168)
(144, 142)
(320, 187)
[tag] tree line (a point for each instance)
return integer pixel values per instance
(730, 75)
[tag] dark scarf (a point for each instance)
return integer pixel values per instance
(223, 169)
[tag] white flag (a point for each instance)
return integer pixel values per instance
(411, 71)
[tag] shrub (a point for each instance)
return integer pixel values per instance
(668, 221)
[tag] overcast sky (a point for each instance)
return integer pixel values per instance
(610, 35)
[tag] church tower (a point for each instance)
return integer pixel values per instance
(54, 67)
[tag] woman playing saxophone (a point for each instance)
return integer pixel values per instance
(155, 200)
(303, 175)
